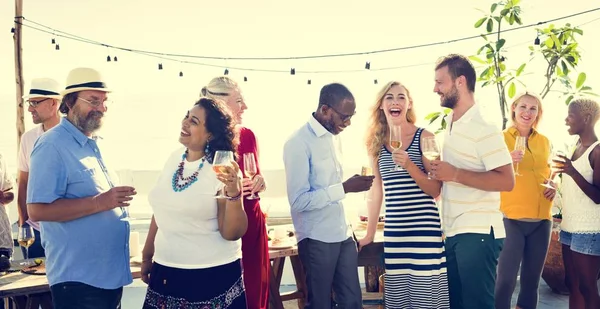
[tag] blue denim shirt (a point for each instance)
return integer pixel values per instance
(314, 184)
(66, 164)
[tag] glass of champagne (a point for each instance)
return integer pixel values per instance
(366, 171)
(553, 167)
(126, 179)
(520, 145)
(250, 170)
(396, 140)
(222, 160)
(26, 238)
(431, 150)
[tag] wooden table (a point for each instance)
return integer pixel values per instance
(31, 291)
(371, 258)
(278, 258)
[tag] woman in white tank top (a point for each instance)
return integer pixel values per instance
(580, 227)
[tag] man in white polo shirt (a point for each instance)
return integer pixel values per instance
(476, 166)
(43, 101)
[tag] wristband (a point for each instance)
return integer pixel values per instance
(234, 198)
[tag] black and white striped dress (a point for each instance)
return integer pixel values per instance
(415, 261)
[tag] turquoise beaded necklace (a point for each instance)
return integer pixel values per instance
(181, 183)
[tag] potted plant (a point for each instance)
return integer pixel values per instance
(554, 269)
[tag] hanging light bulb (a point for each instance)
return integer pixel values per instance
(57, 47)
(309, 82)
(53, 41)
(108, 58)
(226, 72)
(293, 71)
(12, 30)
(115, 58)
(375, 81)
(180, 73)
(368, 65)
(160, 66)
(245, 78)
(537, 40)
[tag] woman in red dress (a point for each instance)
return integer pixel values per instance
(255, 251)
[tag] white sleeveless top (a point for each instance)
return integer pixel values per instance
(580, 213)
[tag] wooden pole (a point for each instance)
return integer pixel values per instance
(19, 69)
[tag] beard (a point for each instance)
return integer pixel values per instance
(330, 126)
(450, 99)
(89, 123)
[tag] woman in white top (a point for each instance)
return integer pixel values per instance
(580, 226)
(191, 258)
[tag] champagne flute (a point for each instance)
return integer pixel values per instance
(126, 179)
(553, 167)
(366, 171)
(396, 140)
(222, 160)
(431, 150)
(520, 145)
(26, 238)
(250, 170)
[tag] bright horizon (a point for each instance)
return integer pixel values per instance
(151, 102)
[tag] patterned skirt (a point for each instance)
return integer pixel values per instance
(216, 287)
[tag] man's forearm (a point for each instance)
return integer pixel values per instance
(493, 181)
(22, 198)
(63, 210)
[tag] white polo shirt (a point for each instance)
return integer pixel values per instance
(475, 144)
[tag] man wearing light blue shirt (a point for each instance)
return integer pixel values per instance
(315, 190)
(72, 194)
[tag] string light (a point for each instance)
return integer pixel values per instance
(293, 71)
(309, 82)
(160, 66)
(368, 65)
(245, 78)
(12, 30)
(53, 41)
(57, 47)
(226, 72)
(375, 81)
(537, 40)
(107, 58)
(115, 58)
(180, 73)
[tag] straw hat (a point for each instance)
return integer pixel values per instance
(80, 79)
(44, 88)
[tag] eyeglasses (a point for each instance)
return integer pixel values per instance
(345, 117)
(35, 104)
(95, 103)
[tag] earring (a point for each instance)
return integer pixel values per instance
(206, 149)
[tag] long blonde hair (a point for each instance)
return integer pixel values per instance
(377, 128)
(219, 87)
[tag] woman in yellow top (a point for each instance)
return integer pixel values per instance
(527, 217)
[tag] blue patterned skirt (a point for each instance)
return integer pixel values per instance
(216, 287)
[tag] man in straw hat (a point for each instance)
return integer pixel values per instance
(85, 231)
(43, 100)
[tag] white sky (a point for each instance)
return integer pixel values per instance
(151, 102)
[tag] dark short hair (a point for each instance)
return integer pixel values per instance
(459, 65)
(333, 94)
(220, 125)
(67, 102)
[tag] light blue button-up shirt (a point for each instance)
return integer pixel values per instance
(314, 184)
(66, 164)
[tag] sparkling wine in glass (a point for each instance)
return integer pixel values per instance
(431, 150)
(222, 160)
(26, 238)
(520, 145)
(250, 170)
(396, 140)
(553, 167)
(126, 179)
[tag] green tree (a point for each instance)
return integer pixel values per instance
(558, 47)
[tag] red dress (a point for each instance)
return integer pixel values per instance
(255, 248)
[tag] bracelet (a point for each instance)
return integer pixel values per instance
(234, 198)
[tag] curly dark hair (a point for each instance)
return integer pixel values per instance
(221, 127)
(67, 102)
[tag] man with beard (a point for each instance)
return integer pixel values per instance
(315, 190)
(43, 100)
(72, 194)
(476, 166)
